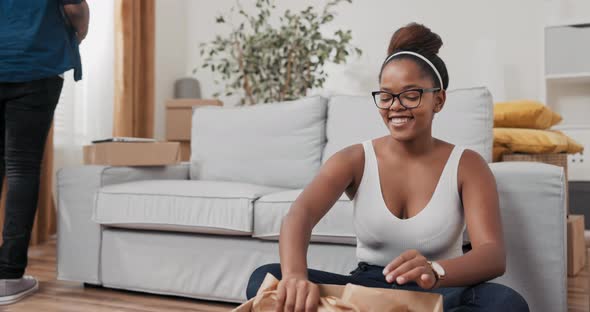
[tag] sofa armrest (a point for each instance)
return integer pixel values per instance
(78, 237)
(532, 205)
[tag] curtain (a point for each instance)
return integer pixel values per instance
(134, 68)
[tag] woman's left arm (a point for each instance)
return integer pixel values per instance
(487, 258)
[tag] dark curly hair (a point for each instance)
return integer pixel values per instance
(420, 39)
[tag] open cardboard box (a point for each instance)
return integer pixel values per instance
(132, 153)
(364, 299)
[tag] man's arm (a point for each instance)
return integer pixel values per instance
(78, 14)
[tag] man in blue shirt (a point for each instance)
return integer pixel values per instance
(38, 43)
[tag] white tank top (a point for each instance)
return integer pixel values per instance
(436, 231)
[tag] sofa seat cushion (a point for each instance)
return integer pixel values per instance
(210, 207)
(335, 227)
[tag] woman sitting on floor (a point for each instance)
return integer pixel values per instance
(413, 195)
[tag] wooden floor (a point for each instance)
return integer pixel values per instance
(54, 296)
(578, 289)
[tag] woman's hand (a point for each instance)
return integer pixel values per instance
(410, 266)
(297, 294)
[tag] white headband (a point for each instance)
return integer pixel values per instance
(421, 57)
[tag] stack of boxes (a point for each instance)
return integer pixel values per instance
(179, 114)
(121, 151)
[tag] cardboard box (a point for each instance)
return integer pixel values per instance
(364, 298)
(576, 244)
(179, 114)
(132, 154)
(185, 150)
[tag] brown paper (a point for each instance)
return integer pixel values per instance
(350, 298)
(373, 299)
(132, 154)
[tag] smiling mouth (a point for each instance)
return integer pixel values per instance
(399, 120)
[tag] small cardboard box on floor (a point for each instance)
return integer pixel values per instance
(351, 298)
(576, 245)
(132, 153)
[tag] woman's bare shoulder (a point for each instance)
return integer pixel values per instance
(472, 160)
(473, 167)
(349, 156)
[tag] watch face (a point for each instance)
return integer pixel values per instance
(439, 269)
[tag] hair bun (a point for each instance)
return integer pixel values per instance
(416, 38)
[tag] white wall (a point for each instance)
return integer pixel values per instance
(171, 49)
(494, 43)
(571, 11)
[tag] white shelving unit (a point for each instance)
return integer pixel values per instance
(567, 86)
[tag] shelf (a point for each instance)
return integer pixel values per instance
(569, 77)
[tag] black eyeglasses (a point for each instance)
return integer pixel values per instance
(408, 99)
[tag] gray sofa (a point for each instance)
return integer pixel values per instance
(199, 229)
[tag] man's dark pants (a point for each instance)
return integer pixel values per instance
(26, 114)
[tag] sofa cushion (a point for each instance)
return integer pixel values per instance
(174, 205)
(277, 144)
(335, 227)
(467, 120)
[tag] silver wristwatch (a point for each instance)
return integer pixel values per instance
(438, 270)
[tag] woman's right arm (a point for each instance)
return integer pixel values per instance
(338, 175)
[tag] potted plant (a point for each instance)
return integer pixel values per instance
(268, 63)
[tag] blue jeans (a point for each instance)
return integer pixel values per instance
(480, 297)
